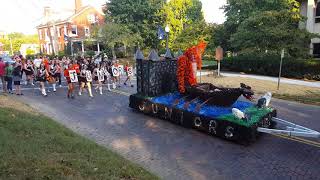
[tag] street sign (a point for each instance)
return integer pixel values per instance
(219, 57)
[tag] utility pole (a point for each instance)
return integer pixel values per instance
(11, 46)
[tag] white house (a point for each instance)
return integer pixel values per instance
(32, 47)
(311, 10)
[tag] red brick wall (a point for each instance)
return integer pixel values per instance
(81, 21)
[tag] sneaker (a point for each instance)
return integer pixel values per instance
(60, 86)
(79, 93)
(48, 91)
(72, 96)
(125, 84)
(131, 85)
(68, 96)
(54, 90)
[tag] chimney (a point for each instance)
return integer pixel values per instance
(46, 12)
(77, 5)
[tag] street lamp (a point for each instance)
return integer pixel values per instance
(168, 52)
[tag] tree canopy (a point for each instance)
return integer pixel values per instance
(141, 17)
(17, 39)
(180, 14)
(264, 26)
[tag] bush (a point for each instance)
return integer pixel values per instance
(89, 53)
(269, 65)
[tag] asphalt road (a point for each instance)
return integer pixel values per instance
(173, 152)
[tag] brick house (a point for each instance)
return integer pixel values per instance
(60, 30)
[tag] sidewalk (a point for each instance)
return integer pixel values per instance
(267, 78)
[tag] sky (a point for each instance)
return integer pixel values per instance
(23, 15)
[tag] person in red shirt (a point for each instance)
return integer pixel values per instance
(76, 67)
(70, 84)
(128, 74)
(46, 63)
(2, 74)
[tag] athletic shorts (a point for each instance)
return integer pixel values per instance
(16, 83)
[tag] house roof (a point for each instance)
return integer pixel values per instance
(65, 16)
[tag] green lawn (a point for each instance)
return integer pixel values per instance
(36, 147)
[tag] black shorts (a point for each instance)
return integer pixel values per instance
(57, 75)
(29, 73)
(16, 83)
(41, 79)
(82, 79)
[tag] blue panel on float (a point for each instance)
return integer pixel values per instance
(206, 110)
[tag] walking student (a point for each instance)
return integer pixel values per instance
(8, 77)
(29, 72)
(58, 70)
(41, 77)
(85, 80)
(127, 69)
(70, 84)
(2, 73)
(17, 76)
(98, 77)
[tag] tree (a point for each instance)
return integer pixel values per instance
(141, 17)
(192, 34)
(112, 33)
(271, 31)
(237, 11)
(180, 14)
(17, 39)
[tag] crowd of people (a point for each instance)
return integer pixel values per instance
(85, 73)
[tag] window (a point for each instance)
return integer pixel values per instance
(40, 34)
(316, 50)
(91, 18)
(317, 18)
(86, 31)
(74, 30)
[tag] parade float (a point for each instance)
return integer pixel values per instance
(168, 89)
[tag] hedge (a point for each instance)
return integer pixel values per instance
(269, 65)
